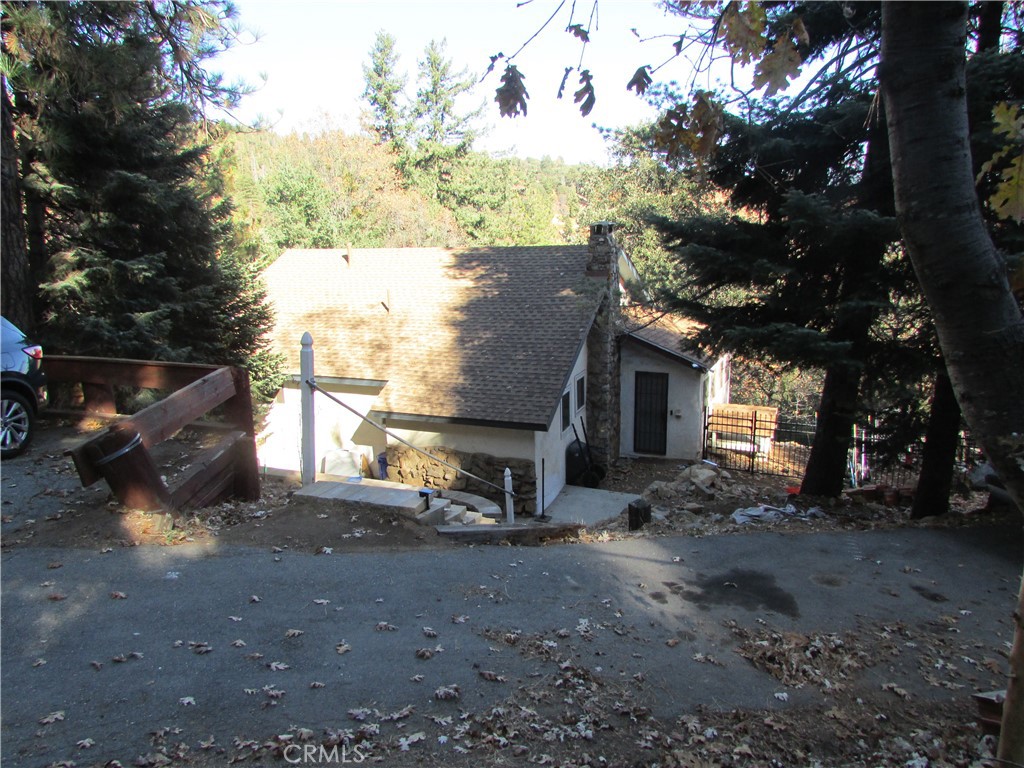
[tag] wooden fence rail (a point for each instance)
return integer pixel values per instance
(120, 453)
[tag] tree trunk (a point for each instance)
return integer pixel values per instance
(936, 481)
(840, 394)
(979, 323)
(35, 204)
(16, 287)
(826, 465)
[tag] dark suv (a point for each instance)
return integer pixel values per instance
(24, 389)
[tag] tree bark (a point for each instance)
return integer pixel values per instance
(16, 287)
(936, 481)
(826, 465)
(840, 395)
(978, 320)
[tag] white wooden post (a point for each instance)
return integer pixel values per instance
(307, 461)
(510, 510)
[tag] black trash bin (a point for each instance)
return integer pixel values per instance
(639, 514)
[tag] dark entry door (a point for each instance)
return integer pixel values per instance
(650, 414)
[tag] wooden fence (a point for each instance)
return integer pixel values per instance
(120, 453)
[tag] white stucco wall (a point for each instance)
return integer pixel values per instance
(551, 445)
(685, 398)
(337, 430)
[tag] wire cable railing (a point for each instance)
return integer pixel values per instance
(316, 388)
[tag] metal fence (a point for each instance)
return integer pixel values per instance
(757, 441)
(768, 444)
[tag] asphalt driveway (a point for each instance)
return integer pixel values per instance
(218, 645)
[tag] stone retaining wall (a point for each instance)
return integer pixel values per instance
(413, 468)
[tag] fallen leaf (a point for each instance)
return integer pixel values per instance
(54, 565)
(416, 678)
(235, 618)
(406, 741)
(38, 662)
(294, 633)
(278, 666)
(672, 642)
(492, 676)
(321, 601)
(460, 619)
(324, 551)
(254, 598)
(401, 714)
(343, 647)
(317, 684)
(424, 653)
(447, 693)
(383, 626)
(187, 701)
(53, 717)
(85, 743)
(118, 596)
(238, 643)
(96, 664)
(429, 632)
(56, 596)
(892, 687)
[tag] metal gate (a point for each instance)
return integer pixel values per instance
(754, 438)
(650, 413)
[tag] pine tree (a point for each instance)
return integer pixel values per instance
(435, 115)
(134, 223)
(384, 92)
(802, 277)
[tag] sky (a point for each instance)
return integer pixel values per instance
(312, 53)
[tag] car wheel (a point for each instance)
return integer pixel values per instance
(17, 423)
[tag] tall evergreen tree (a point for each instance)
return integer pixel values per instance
(132, 222)
(802, 277)
(384, 92)
(435, 115)
(443, 134)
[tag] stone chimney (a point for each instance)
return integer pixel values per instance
(603, 366)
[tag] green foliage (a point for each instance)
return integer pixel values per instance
(135, 224)
(436, 119)
(388, 121)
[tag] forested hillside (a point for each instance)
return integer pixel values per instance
(332, 190)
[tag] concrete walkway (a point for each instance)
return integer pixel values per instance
(589, 506)
(226, 642)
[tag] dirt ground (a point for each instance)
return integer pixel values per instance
(44, 505)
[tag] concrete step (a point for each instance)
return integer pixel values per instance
(407, 501)
(436, 514)
(479, 503)
(455, 514)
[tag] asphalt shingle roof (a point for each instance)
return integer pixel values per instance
(482, 335)
(668, 332)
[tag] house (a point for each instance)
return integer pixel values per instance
(667, 388)
(484, 357)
